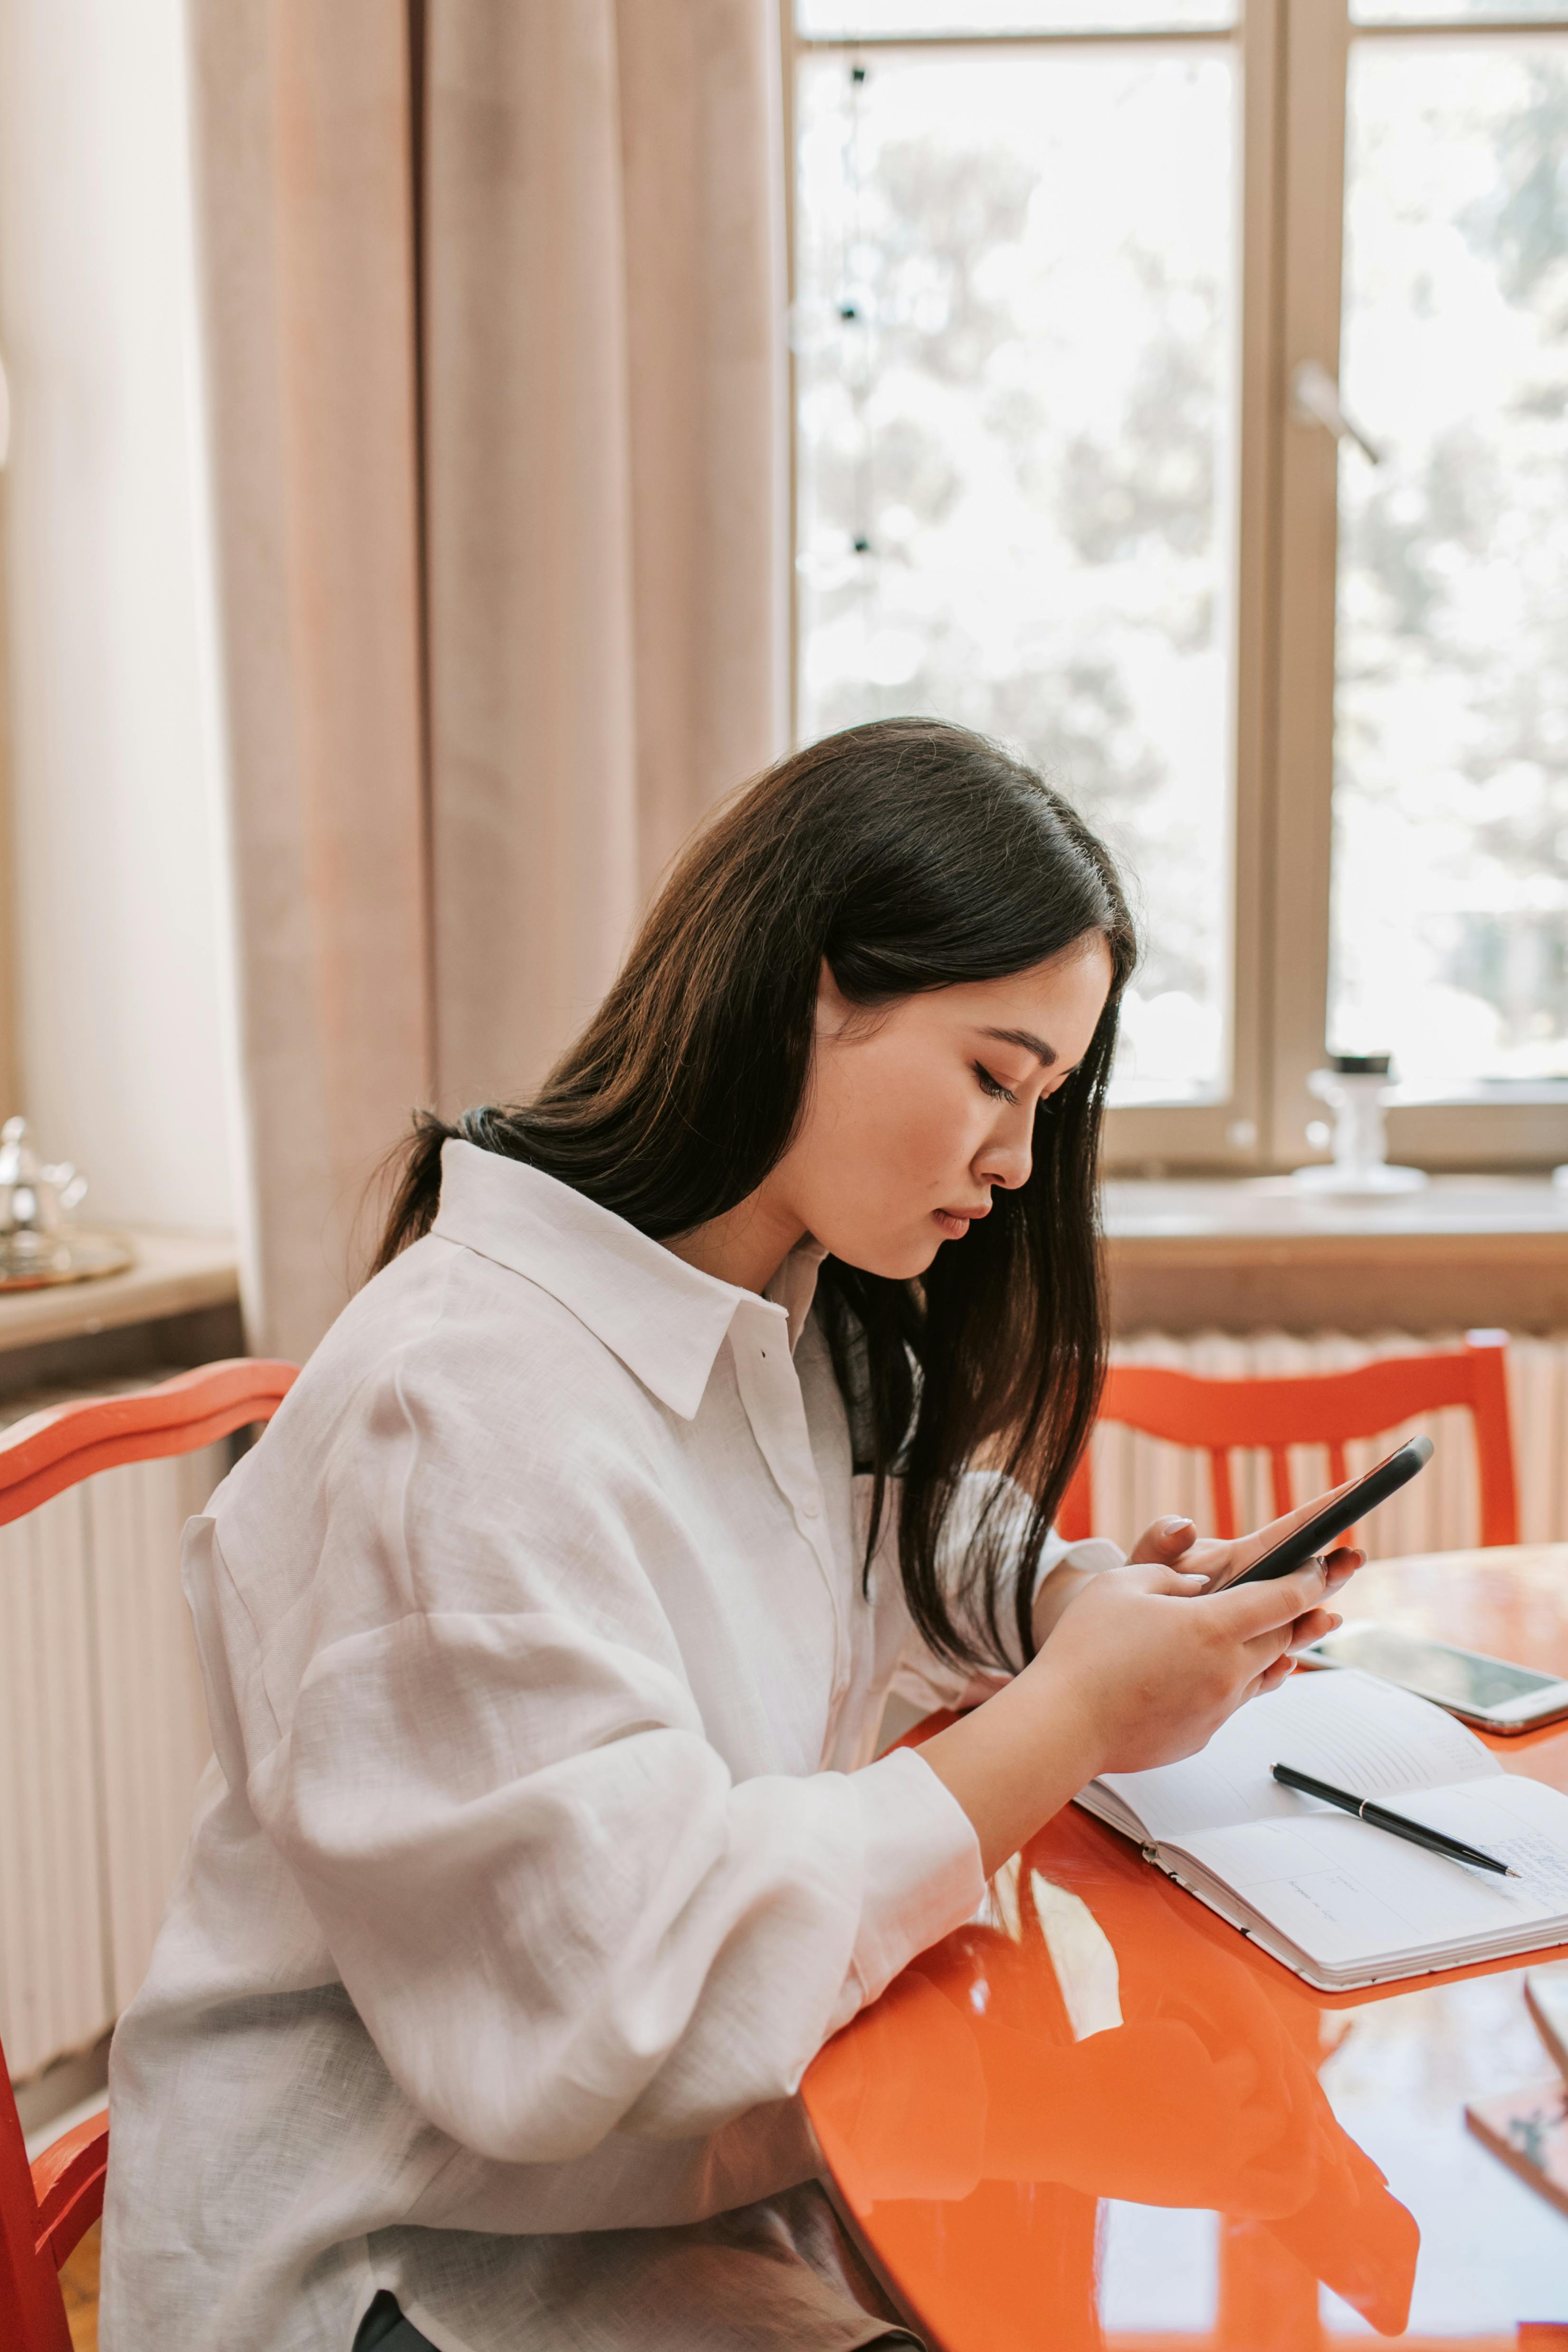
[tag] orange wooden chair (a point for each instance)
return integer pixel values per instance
(47, 2208)
(1312, 1409)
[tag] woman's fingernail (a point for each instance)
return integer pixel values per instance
(1169, 1527)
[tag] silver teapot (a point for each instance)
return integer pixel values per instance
(37, 1242)
(33, 1199)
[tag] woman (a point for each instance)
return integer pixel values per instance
(696, 1403)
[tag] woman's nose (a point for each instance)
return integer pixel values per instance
(1006, 1160)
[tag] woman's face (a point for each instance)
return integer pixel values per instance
(917, 1112)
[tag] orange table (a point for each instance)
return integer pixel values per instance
(1098, 2118)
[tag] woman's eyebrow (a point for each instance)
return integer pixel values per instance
(1043, 1053)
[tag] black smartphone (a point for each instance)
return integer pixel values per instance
(1317, 1534)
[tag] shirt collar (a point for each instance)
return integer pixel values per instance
(665, 1319)
(793, 1286)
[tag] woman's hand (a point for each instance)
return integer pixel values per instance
(1152, 1675)
(1165, 1541)
(1140, 1668)
(1175, 1542)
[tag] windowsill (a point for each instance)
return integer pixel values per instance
(1483, 1094)
(1273, 1208)
(1249, 1254)
(174, 1273)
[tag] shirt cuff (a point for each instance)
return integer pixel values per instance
(1088, 1556)
(923, 1874)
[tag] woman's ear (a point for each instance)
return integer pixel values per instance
(834, 1009)
(840, 1020)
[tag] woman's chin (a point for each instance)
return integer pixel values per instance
(901, 1261)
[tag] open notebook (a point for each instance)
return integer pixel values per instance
(1341, 1903)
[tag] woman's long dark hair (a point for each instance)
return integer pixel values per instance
(911, 855)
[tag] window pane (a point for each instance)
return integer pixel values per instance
(1014, 343)
(1458, 12)
(1451, 793)
(827, 20)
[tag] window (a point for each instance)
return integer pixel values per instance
(1071, 280)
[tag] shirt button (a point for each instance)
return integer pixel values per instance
(811, 1504)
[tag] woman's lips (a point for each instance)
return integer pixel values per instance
(955, 1223)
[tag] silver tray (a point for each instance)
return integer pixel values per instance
(32, 1260)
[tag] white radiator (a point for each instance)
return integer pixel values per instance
(103, 1734)
(1136, 1479)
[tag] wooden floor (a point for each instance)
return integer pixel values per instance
(78, 2282)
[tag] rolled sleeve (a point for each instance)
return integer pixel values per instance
(981, 1496)
(1090, 1556)
(921, 1875)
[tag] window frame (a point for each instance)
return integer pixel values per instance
(1293, 68)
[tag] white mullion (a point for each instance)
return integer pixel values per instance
(1303, 764)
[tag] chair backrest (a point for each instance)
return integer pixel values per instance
(1313, 1409)
(45, 2207)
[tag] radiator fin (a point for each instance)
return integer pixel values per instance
(155, 1736)
(103, 1735)
(53, 1928)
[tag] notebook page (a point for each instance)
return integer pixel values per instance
(1342, 1727)
(1352, 1897)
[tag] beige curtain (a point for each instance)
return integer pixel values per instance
(494, 302)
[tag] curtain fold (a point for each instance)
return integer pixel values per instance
(498, 424)
(305, 214)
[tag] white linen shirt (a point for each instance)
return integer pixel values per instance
(542, 1849)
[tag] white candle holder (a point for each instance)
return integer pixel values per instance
(1356, 1089)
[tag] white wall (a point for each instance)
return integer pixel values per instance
(124, 969)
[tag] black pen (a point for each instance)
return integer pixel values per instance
(1396, 1824)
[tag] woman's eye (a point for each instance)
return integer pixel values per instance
(992, 1087)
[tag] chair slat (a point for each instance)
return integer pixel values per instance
(1280, 1479)
(67, 2185)
(1223, 1491)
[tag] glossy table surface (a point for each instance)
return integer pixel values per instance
(1098, 2116)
